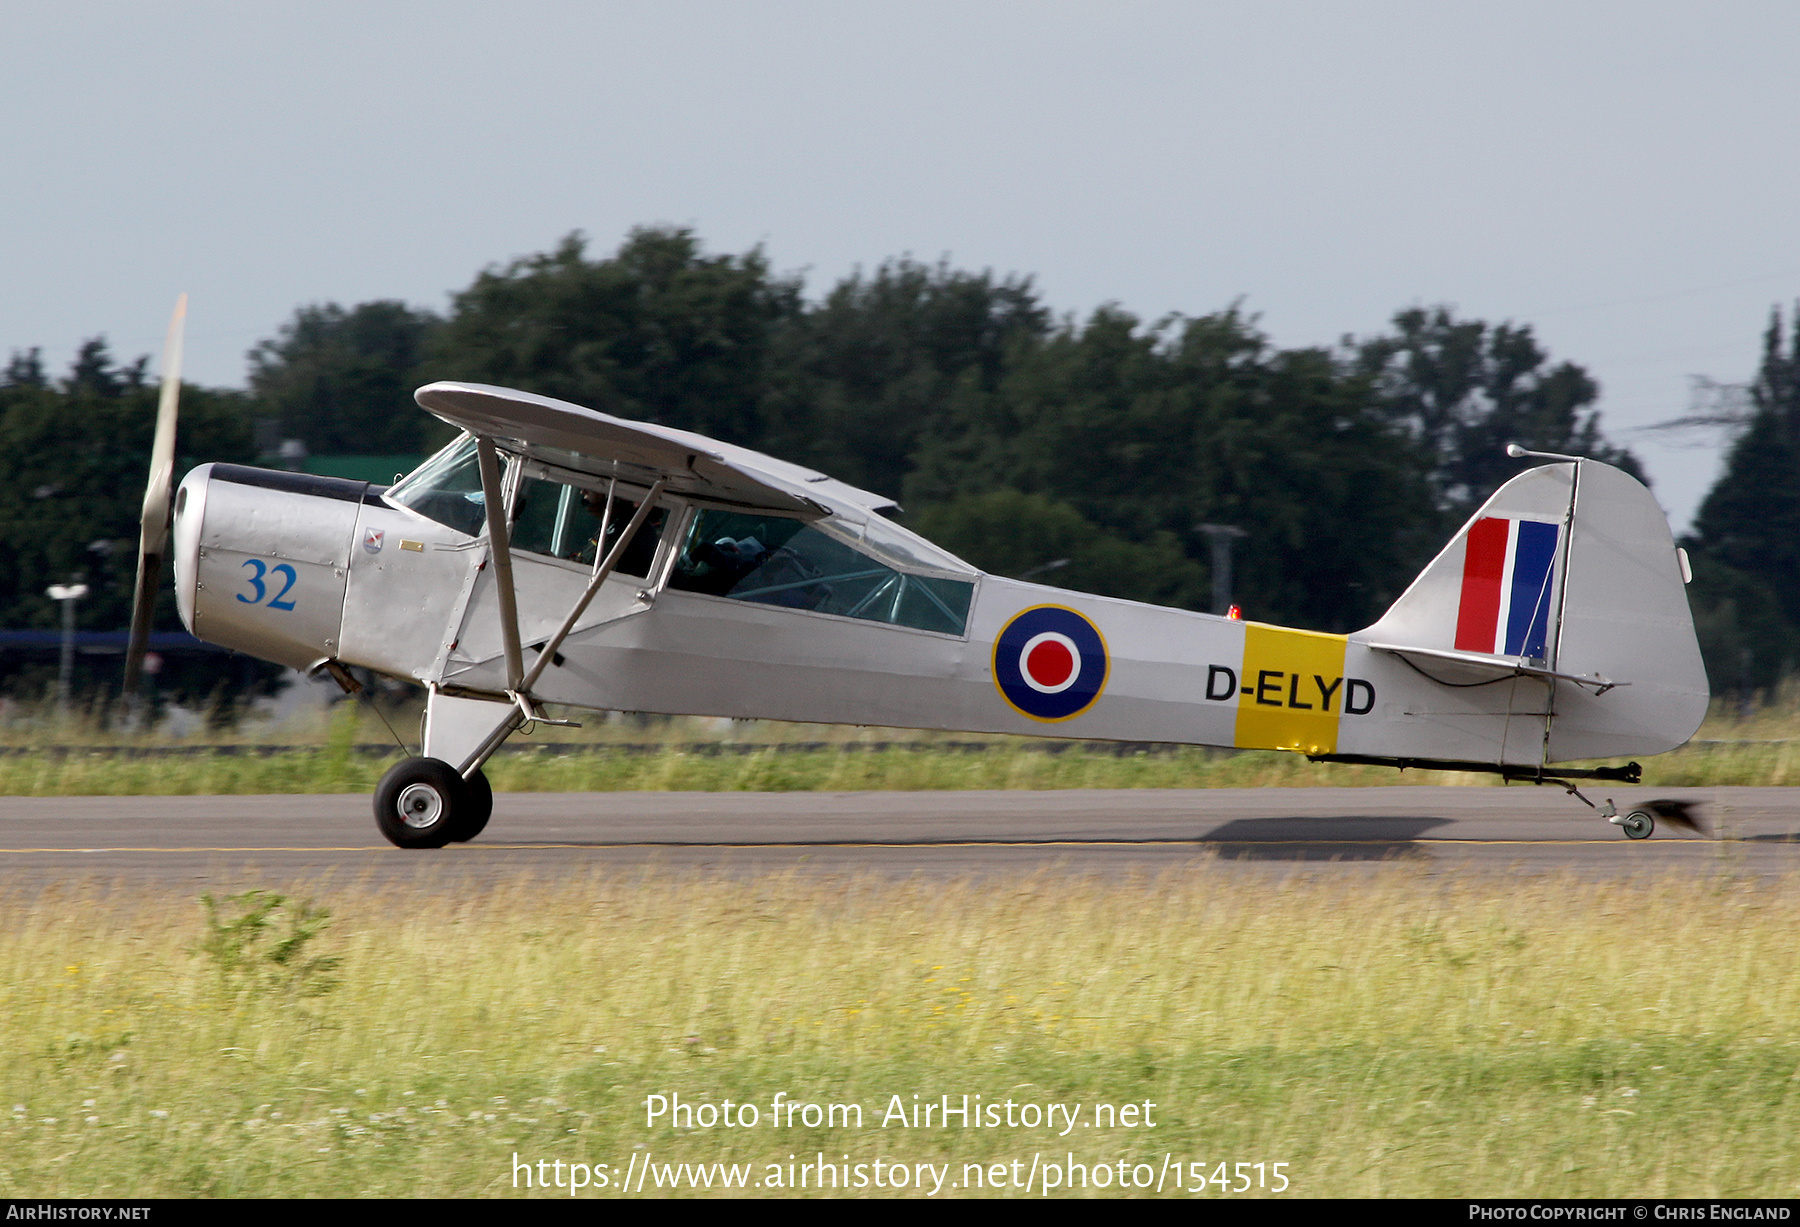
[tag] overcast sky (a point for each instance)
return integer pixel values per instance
(1620, 176)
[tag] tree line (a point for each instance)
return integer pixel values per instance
(74, 456)
(1086, 451)
(1745, 542)
(1012, 436)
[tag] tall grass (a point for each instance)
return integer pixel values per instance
(319, 752)
(335, 769)
(329, 770)
(1392, 1037)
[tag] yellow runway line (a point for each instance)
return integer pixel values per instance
(972, 843)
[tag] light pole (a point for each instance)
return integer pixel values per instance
(68, 594)
(1220, 536)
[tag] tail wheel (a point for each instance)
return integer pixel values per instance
(423, 803)
(1638, 824)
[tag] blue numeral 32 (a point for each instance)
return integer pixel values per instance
(262, 589)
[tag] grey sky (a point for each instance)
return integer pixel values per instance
(1620, 176)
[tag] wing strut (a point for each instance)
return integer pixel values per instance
(499, 545)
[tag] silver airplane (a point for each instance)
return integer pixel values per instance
(557, 555)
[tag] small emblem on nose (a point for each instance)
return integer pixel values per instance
(372, 539)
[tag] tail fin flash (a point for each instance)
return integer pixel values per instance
(1567, 576)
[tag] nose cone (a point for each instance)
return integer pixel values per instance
(184, 539)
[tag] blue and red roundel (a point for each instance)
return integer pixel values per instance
(1050, 663)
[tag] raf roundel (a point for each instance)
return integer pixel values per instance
(1050, 663)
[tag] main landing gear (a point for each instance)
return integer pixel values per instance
(427, 802)
(424, 803)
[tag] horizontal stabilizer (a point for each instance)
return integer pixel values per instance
(1476, 669)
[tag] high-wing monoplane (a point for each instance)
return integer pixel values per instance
(557, 555)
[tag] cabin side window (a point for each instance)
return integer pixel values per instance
(573, 523)
(774, 560)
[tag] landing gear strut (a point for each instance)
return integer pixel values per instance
(1638, 824)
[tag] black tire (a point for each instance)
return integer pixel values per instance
(1638, 824)
(474, 820)
(420, 802)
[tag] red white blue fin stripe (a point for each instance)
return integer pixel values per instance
(1507, 585)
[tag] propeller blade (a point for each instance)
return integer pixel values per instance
(153, 538)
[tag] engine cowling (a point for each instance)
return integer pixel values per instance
(262, 559)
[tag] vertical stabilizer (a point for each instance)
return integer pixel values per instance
(1494, 589)
(1568, 572)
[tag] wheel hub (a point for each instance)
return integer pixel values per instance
(420, 806)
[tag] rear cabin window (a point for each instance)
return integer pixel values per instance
(773, 560)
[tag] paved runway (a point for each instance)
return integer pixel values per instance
(222, 840)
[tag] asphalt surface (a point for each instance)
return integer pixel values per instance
(226, 840)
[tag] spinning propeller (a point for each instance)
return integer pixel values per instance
(153, 539)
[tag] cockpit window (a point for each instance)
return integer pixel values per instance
(775, 560)
(446, 488)
(549, 517)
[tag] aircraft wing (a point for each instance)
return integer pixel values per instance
(559, 433)
(1454, 668)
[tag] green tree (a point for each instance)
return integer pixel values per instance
(659, 331)
(1465, 389)
(25, 370)
(860, 379)
(1746, 640)
(341, 381)
(1149, 432)
(1746, 537)
(1028, 536)
(74, 458)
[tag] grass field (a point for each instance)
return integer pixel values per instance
(1393, 1037)
(75, 771)
(45, 755)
